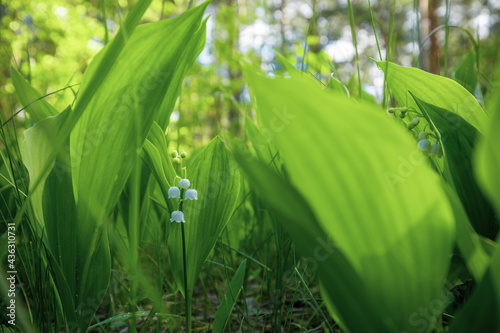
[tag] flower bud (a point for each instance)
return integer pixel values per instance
(410, 125)
(422, 135)
(191, 194)
(174, 153)
(184, 154)
(177, 216)
(184, 183)
(176, 160)
(174, 192)
(415, 121)
(402, 114)
(437, 149)
(424, 145)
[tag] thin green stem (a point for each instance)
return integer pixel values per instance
(446, 33)
(416, 6)
(353, 32)
(187, 296)
(186, 292)
(104, 21)
(162, 8)
(374, 29)
(390, 55)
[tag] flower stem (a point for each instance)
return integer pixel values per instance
(186, 292)
(184, 261)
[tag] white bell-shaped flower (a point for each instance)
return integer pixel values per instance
(184, 183)
(191, 194)
(177, 216)
(174, 192)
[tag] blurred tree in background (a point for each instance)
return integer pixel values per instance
(52, 42)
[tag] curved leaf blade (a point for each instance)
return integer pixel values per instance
(458, 139)
(433, 89)
(363, 188)
(26, 94)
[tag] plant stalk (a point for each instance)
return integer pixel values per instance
(184, 262)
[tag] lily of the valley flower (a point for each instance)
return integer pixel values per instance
(191, 194)
(184, 183)
(177, 216)
(174, 192)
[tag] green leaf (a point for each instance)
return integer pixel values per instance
(120, 114)
(53, 202)
(466, 74)
(322, 253)
(468, 241)
(152, 158)
(27, 95)
(372, 194)
(229, 300)
(487, 159)
(353, 88)
(290, 68)
(215, 176)
(189, 55)
(263, 148)
(117, 118)
(157, 137)
(38, 147)
(337, 86)
(458, 139)
(54, 205)
(481, 312)
(433, 89)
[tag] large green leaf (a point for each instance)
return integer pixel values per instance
(482, 312)
(55, 208)
(215, 176)
(38, 108)
(368, 185)
(38, 146)
(117, 103)
(458, 139)
(322, 253)
(118, 117)
(116, 120)
(263, 148)
(468, 241)
(433, 89)
(487, 161)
